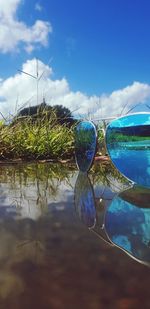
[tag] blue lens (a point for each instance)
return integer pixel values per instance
(85, 145)
(128, 145)
(127, 224)
(84, 200)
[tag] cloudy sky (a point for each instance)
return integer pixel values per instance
(93, 55)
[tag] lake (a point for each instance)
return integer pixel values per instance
(64, 241)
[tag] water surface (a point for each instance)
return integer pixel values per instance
(49, 258)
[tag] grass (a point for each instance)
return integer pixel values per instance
(41, 139)
(119, 137)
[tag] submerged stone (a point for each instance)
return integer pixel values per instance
(85, 145)
(128, 145)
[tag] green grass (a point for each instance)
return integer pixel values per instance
(119, 137)
(43, 139)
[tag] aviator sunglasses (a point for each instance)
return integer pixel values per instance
(119, 219)
(127, 141)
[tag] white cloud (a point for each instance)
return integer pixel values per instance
(38, 7)
(13, 32)
(19, 89)
(122, 100)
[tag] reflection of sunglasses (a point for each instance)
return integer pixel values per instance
(122, 221)
(127, 141)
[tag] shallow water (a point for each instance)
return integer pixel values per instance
(49, 258)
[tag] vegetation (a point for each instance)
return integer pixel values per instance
(45, 177)
(42, 132)
(101, 147)
(105, 174)
(119, 137)
(63, 114)
(85, 140)
(41, 139)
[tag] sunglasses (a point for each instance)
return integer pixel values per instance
(121, 221)
(127, 141)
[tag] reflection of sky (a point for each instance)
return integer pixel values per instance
(128, 227)
(133, 164)
(131, 120)
(122, 241)
(86, 125)
(31, 200)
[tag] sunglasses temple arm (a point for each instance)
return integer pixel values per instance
(102, 238)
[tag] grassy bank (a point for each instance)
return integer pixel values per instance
(119, 137)
(41, 139)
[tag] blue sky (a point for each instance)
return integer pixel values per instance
(100, 48)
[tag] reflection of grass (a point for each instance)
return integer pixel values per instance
(104, 173)
(84, 139)
(47, 175)
(119, 137)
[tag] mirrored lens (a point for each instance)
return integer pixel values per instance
(127, 224)
(128, 145)
(85, 145)
(84, 200)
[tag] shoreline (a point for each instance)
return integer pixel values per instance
(101, 159)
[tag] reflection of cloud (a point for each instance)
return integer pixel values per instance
(31, 199)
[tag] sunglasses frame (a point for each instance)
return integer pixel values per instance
(105, 143)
